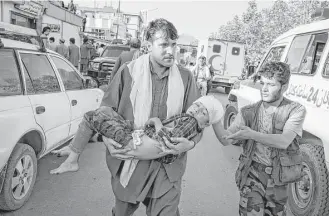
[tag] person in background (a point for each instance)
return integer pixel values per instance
(127, 56)
(84, 21)
(209, 82)
(202, 75)
(62, 48)
(100, 49)
(74, 53)
(52, 44)
(93, 51)
(71, 7)
(85, 56)
(45, 33)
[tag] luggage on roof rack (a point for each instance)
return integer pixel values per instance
(23, 34)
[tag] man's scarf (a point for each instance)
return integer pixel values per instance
(141, 100)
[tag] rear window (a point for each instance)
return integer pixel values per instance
(216, 48)
(114, 51)
(10, 83)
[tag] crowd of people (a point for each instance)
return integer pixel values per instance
(78, 56)
(152, 114)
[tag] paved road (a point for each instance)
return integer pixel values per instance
(208, 185)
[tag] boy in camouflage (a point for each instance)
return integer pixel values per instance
(269, 132)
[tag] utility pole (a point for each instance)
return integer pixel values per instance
(118, 11)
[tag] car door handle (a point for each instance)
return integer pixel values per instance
(40, 109)
(74, 102)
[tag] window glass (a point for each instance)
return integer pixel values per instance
(313, 55)
(296, 52)
(38, 68)
(71, 80)
(236, 51)
(305, 53)
(114, 51)
(275, 54)
(10, 83)
(216, 48)
(326, 68)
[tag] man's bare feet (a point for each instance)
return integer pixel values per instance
(65, 167)
(62, 152)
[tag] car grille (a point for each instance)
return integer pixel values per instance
(107, 66)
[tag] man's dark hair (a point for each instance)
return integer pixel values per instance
(45, 29)
(163, 25)
(85, 40)
(102, 45)
(72, 40)
(52, 39)
(277, 70)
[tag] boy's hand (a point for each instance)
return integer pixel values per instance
(156, 122)
(243, 134)
(117, 153)
(183, 145)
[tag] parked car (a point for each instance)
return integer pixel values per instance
(306, 50)
(100, 68)
(43, 98)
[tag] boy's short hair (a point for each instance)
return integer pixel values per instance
(85, 40)
(163, 25)
(52, 39)
(277, 70)
(72, 40)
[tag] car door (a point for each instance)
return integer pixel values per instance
(81, 99)
(50, 103)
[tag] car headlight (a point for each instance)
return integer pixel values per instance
(94, 65)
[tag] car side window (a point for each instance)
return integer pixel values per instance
(39, 75)
(71, 80)
(10, 83)
(275, 54)
(305, 53)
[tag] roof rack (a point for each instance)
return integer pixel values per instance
(19, 33)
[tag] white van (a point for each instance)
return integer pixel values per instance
(226, 59)
(306, 50)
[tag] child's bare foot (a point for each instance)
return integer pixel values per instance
(62, 152)
(65, 167)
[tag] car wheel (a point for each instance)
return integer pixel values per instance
(309, 196)
(230, 114)
(227, 90)
(20, 178)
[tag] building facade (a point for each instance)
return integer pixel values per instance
(63, 24)
(107, 23)
(134, 24)
(99, 21)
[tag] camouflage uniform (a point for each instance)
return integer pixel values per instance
(259, 194)
(261, 197)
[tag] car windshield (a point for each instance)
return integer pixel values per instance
(114, 51)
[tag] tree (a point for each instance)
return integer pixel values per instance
(257, 29)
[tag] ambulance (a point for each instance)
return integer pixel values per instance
(306, 50)
(226, 60)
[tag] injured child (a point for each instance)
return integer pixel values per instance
(205, 111)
